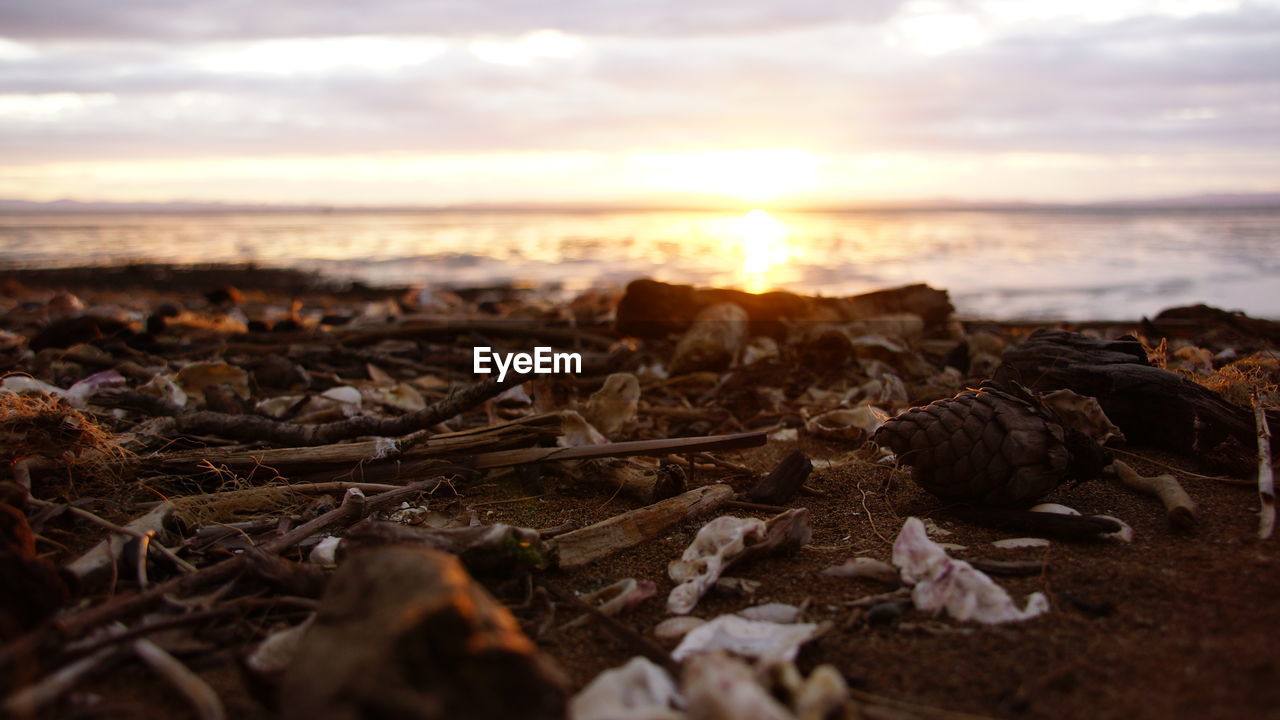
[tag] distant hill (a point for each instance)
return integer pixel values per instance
(1206, 201)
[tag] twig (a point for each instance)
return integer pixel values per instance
(86, 515)
(1179, 506)
(1180, 471)
(1266, 476)
(205, 702)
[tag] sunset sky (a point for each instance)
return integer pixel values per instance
(788, 103)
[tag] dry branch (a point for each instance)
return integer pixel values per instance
(637, 526)
(1180, 507)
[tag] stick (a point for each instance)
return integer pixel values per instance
(507, 458)
(205, 702)
(637, 526)
(1266, 476)
(1180, 507)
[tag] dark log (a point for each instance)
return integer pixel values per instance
(1152, 406)
(781, 485)
(652, 309)
(404, 632)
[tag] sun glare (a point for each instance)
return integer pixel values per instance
(763, 244)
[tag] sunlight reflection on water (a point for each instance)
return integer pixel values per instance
(1082, 264)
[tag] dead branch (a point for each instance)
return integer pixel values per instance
(1180, 507)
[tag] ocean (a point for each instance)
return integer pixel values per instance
(1008, 264)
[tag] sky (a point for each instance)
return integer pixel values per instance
(801, 102)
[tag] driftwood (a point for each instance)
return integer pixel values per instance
(646, 483)
(781, 485)
(404, 632)
(1152, 406)
(652, 309)
(1179, 506)
(637, 526)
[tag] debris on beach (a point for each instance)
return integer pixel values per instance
(296, 502)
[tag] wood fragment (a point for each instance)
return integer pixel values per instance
(780, 486)
(204, 701)
(1266, 474)
(588, 544)
(1180, 507)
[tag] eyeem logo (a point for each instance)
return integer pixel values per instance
(541, 361)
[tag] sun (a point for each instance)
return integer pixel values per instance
(754, 176)
(760, 242)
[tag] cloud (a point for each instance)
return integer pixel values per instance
(129, 81)
(238, 19)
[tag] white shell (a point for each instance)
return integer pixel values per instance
(1022, 542)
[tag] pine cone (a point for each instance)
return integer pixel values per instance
(996, 445)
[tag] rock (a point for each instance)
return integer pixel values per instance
(406, 633)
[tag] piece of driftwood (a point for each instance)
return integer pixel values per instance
(256, 427)
(1152, 406)
(781, 485)
(653, 309)
(634, 527)
(1266, 475)
(644, 482)
(1180, 507)
(497, 550)
(404, 632)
